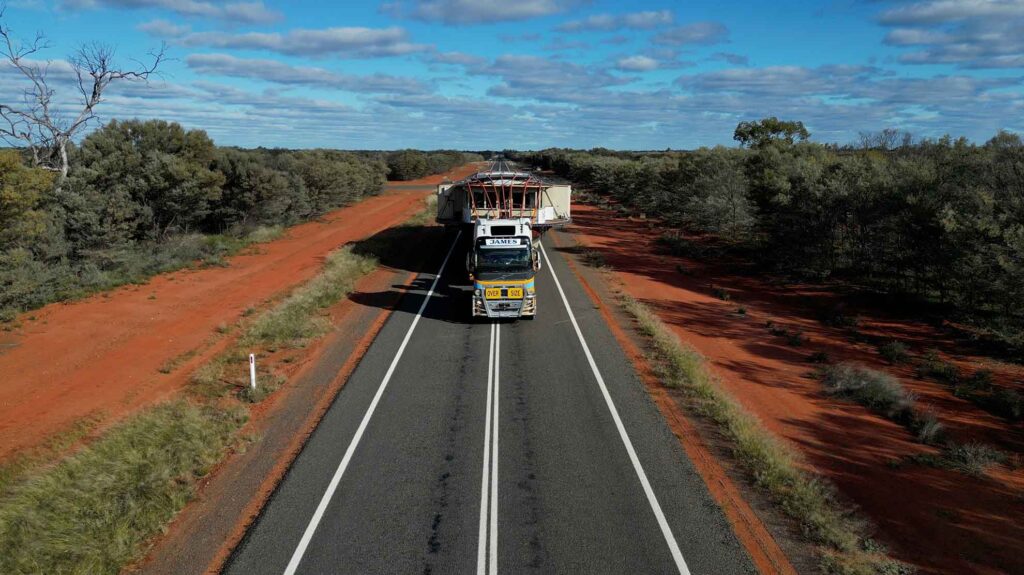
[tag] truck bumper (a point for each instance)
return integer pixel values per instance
(504, 308)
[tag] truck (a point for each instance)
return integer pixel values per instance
(502, 262)
(505, 212)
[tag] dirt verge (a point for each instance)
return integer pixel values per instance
(113, 353)
(941, 520)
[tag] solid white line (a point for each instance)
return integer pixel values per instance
(481, 553)
(307, 536)
(494, 453)
(666, 531)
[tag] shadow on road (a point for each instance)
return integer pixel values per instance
(420, 250)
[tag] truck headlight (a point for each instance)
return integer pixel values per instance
(477, 293)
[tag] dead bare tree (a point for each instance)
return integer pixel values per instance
(44, 126)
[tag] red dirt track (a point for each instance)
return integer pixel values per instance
(940, 520)
(102, 356)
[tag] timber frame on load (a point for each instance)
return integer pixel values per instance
(502, 193)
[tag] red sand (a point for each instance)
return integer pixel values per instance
(101, 356)
(940, 520)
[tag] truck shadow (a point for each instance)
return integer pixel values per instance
(419, 250)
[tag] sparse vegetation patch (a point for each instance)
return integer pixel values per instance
(875, 390)
(93, 513)
(844, 545)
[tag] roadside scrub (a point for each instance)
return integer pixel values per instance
(95, 511)
(883, 394)
(292, 323)
(842, 539)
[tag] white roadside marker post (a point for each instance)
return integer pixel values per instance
(252, 371)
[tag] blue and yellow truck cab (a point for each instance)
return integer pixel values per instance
(503, 264)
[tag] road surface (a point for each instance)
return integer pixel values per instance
(478, 447)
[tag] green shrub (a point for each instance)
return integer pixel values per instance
(594, 259)
(873, 389)
(928, 429)
(795, 339)
(1007, 403)
(721, 293)
(973, 458)
(818, 357)
(893, 351)
(934, 367)
(838, 318)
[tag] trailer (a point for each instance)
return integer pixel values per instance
(504, 193)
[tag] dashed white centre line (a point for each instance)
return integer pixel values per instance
(652, 500)
(307, 536)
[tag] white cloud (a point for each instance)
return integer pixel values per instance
(454, 12)
(241, 12)
(608, 22)
(636, 64)
(696, 33)
(352, 42)
(286, 74)
(942, 11)
(964, 33)
(456, 58)
(163, 29)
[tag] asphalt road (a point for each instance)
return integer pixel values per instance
(478, 447)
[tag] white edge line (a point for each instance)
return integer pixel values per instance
(307, 536)
(481, 553)
(666, 530)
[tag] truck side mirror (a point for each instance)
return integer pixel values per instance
(470, 267)
(536, 261)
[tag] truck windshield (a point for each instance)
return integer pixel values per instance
(503, 260)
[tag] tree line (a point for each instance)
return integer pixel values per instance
(142, 197)
(939, 220)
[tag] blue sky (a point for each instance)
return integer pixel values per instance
(492, 74)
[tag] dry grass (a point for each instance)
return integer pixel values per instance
(873, 389)
(841, 537)
(296, 320)
(93, 512)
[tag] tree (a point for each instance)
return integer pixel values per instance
(37, 122)
(152, 178)
(768, 130)
(21, 190)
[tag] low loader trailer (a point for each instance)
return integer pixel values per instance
(505, 212)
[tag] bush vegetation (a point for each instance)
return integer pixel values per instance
(844, 545)
(873, 389)
(413, 164)
(144, 197)
(935, 220)
(893, 351)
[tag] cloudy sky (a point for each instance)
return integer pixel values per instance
(482, 74)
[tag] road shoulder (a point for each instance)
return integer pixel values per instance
(764, 532)
(203, 535)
